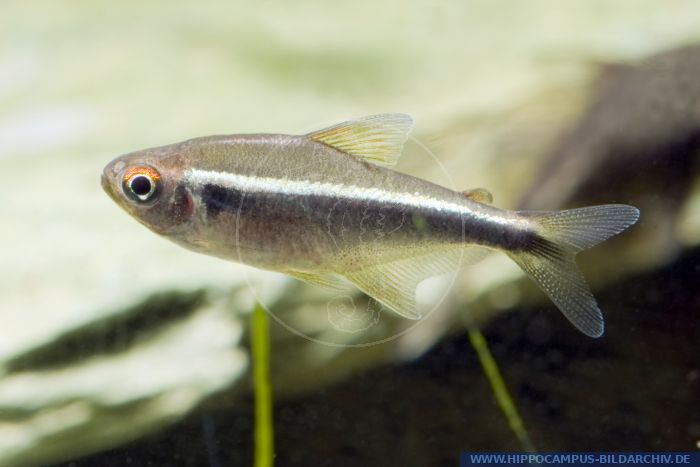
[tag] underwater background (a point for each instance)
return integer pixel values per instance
(120, 348)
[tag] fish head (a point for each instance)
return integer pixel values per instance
(149, 185)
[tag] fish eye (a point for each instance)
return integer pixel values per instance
(141, 183)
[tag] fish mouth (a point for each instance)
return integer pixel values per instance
(110, 175)
(109, 187)
(106, 185)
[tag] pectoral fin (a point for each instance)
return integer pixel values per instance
(394, 284)
(378, 138)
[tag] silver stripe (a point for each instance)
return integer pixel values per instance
(253, 184)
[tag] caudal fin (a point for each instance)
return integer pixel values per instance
(549, 260)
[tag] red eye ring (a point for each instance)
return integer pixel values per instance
(141, 183)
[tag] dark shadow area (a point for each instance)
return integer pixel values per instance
(634, 389)
(112, 334)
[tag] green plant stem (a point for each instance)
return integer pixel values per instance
(500, 391)
(264, 428)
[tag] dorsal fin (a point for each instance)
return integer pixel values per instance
(377, 138)
(480, 195)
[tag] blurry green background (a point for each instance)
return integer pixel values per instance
(87, 364)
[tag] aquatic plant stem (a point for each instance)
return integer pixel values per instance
(264, 428)
(500, 391)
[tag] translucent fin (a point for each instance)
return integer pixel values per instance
(480, 195)
(394, 284)
(377, 138)
(561, 280)
(328, 281)
(579, 229)
(549, 259)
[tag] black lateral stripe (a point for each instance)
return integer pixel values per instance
(218, 199)
(546, 248)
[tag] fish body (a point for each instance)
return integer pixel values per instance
(326, 207)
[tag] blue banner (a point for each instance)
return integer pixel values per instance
(617, 459)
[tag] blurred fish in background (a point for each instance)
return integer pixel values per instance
(639, 139)
(118, 344)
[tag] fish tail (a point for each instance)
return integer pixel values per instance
(549, 257)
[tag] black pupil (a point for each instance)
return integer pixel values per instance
(140, 185)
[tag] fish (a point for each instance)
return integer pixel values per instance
(327, 208)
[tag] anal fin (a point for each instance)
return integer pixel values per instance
(327, 281)
(393, 284)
